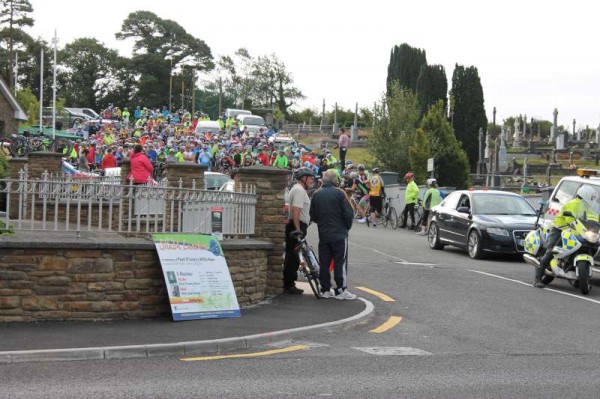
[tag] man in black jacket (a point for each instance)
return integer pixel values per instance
(330, 209)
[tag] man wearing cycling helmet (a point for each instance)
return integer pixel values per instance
(299, 218)
(376, 194)
(432, 198)
(411, 196)
(583, 203)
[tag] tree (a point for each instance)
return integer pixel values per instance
(418, 154)
(162, 45)
(87, 73)
(451, 162)
(432, 85)
(468, 113)
(14, 14)
(30, 104)
(395, 121)
(405, 66)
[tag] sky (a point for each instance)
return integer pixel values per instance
(532, 56)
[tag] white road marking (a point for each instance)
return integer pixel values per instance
(394, 351)
(529, 285)
(398, 260)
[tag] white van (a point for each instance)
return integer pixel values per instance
(207, 126)
(230, 112)
(253, 123)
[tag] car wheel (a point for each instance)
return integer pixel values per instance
(433, 236)
(474, 245)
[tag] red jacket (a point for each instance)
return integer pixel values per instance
(108, 161)
(141, 168)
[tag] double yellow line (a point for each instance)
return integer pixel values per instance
(392, 321)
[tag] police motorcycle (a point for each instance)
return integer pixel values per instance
(574, 253)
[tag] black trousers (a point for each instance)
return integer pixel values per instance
(408, 208)
(338, 252)
(343, 158)
(291, 262)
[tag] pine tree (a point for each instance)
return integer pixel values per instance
(432, 85)
(14, 14)
(468, 112)
(450, 160)
(418, 153)
(405, 66)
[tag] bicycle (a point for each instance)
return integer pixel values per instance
(21, 146)
(389, 214)
(418, 216)
(309, 265)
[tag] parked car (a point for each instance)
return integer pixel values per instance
(85, 111)
(214, 180)
(208, 126)
(65, 118)
(228, 186)
(565, 191)
(481, 222)
(282, 138)
(253, 123)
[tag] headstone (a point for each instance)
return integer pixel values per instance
(530, 146)
(486, 153)
(597, 137)
(560, 141)
(570, 158)
(517, 134)
(586, 151)
(553, 129)
(502, 156)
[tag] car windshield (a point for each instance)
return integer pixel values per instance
(501, 204)
(254, 120)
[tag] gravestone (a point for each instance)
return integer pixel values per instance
(586, 151)
(502, 156)
(517, 134)
(560, 141)
(553, 129)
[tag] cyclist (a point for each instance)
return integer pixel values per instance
(376, 194)
(432, 198)
(359, 190)
(411, 196)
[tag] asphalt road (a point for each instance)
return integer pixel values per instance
(467, 329)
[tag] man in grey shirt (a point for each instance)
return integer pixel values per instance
(299, 207)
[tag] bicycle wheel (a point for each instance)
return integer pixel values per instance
(62, 146)
(393, 218)
(313, 281)
(18, 147)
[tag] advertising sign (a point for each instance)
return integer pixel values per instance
(196, 276)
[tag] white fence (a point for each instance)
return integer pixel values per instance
(104, 204)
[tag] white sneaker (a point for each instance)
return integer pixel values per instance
(345, 295)
(328, 294)
(363, 220)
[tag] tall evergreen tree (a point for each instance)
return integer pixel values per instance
(14, 14)
(432, 85)
(395, 122)
(405, 66)
(451, 163)
(468, 113)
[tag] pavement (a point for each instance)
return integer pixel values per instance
(277, 319)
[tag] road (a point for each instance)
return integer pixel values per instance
(456, 328)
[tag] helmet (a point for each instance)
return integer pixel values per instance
(361, 167)
(301, 172)
(431, 182)
(375, 170)
(409, 175)
(353, 175)
(587, 194)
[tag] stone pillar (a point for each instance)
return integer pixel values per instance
(187, 172)
(270, 186)
(41, 161)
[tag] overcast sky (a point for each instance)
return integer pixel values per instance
(532, 56)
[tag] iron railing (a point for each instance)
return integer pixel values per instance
(105, 204)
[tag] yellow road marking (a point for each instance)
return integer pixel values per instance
(378, 294)
(392, 321)
(245, 355)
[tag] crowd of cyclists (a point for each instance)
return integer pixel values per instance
(171, 137)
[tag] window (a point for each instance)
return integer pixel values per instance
(566, 191)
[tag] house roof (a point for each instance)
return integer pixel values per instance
(6, 92)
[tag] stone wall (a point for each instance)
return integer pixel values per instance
(106, 282)
(7, 115)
